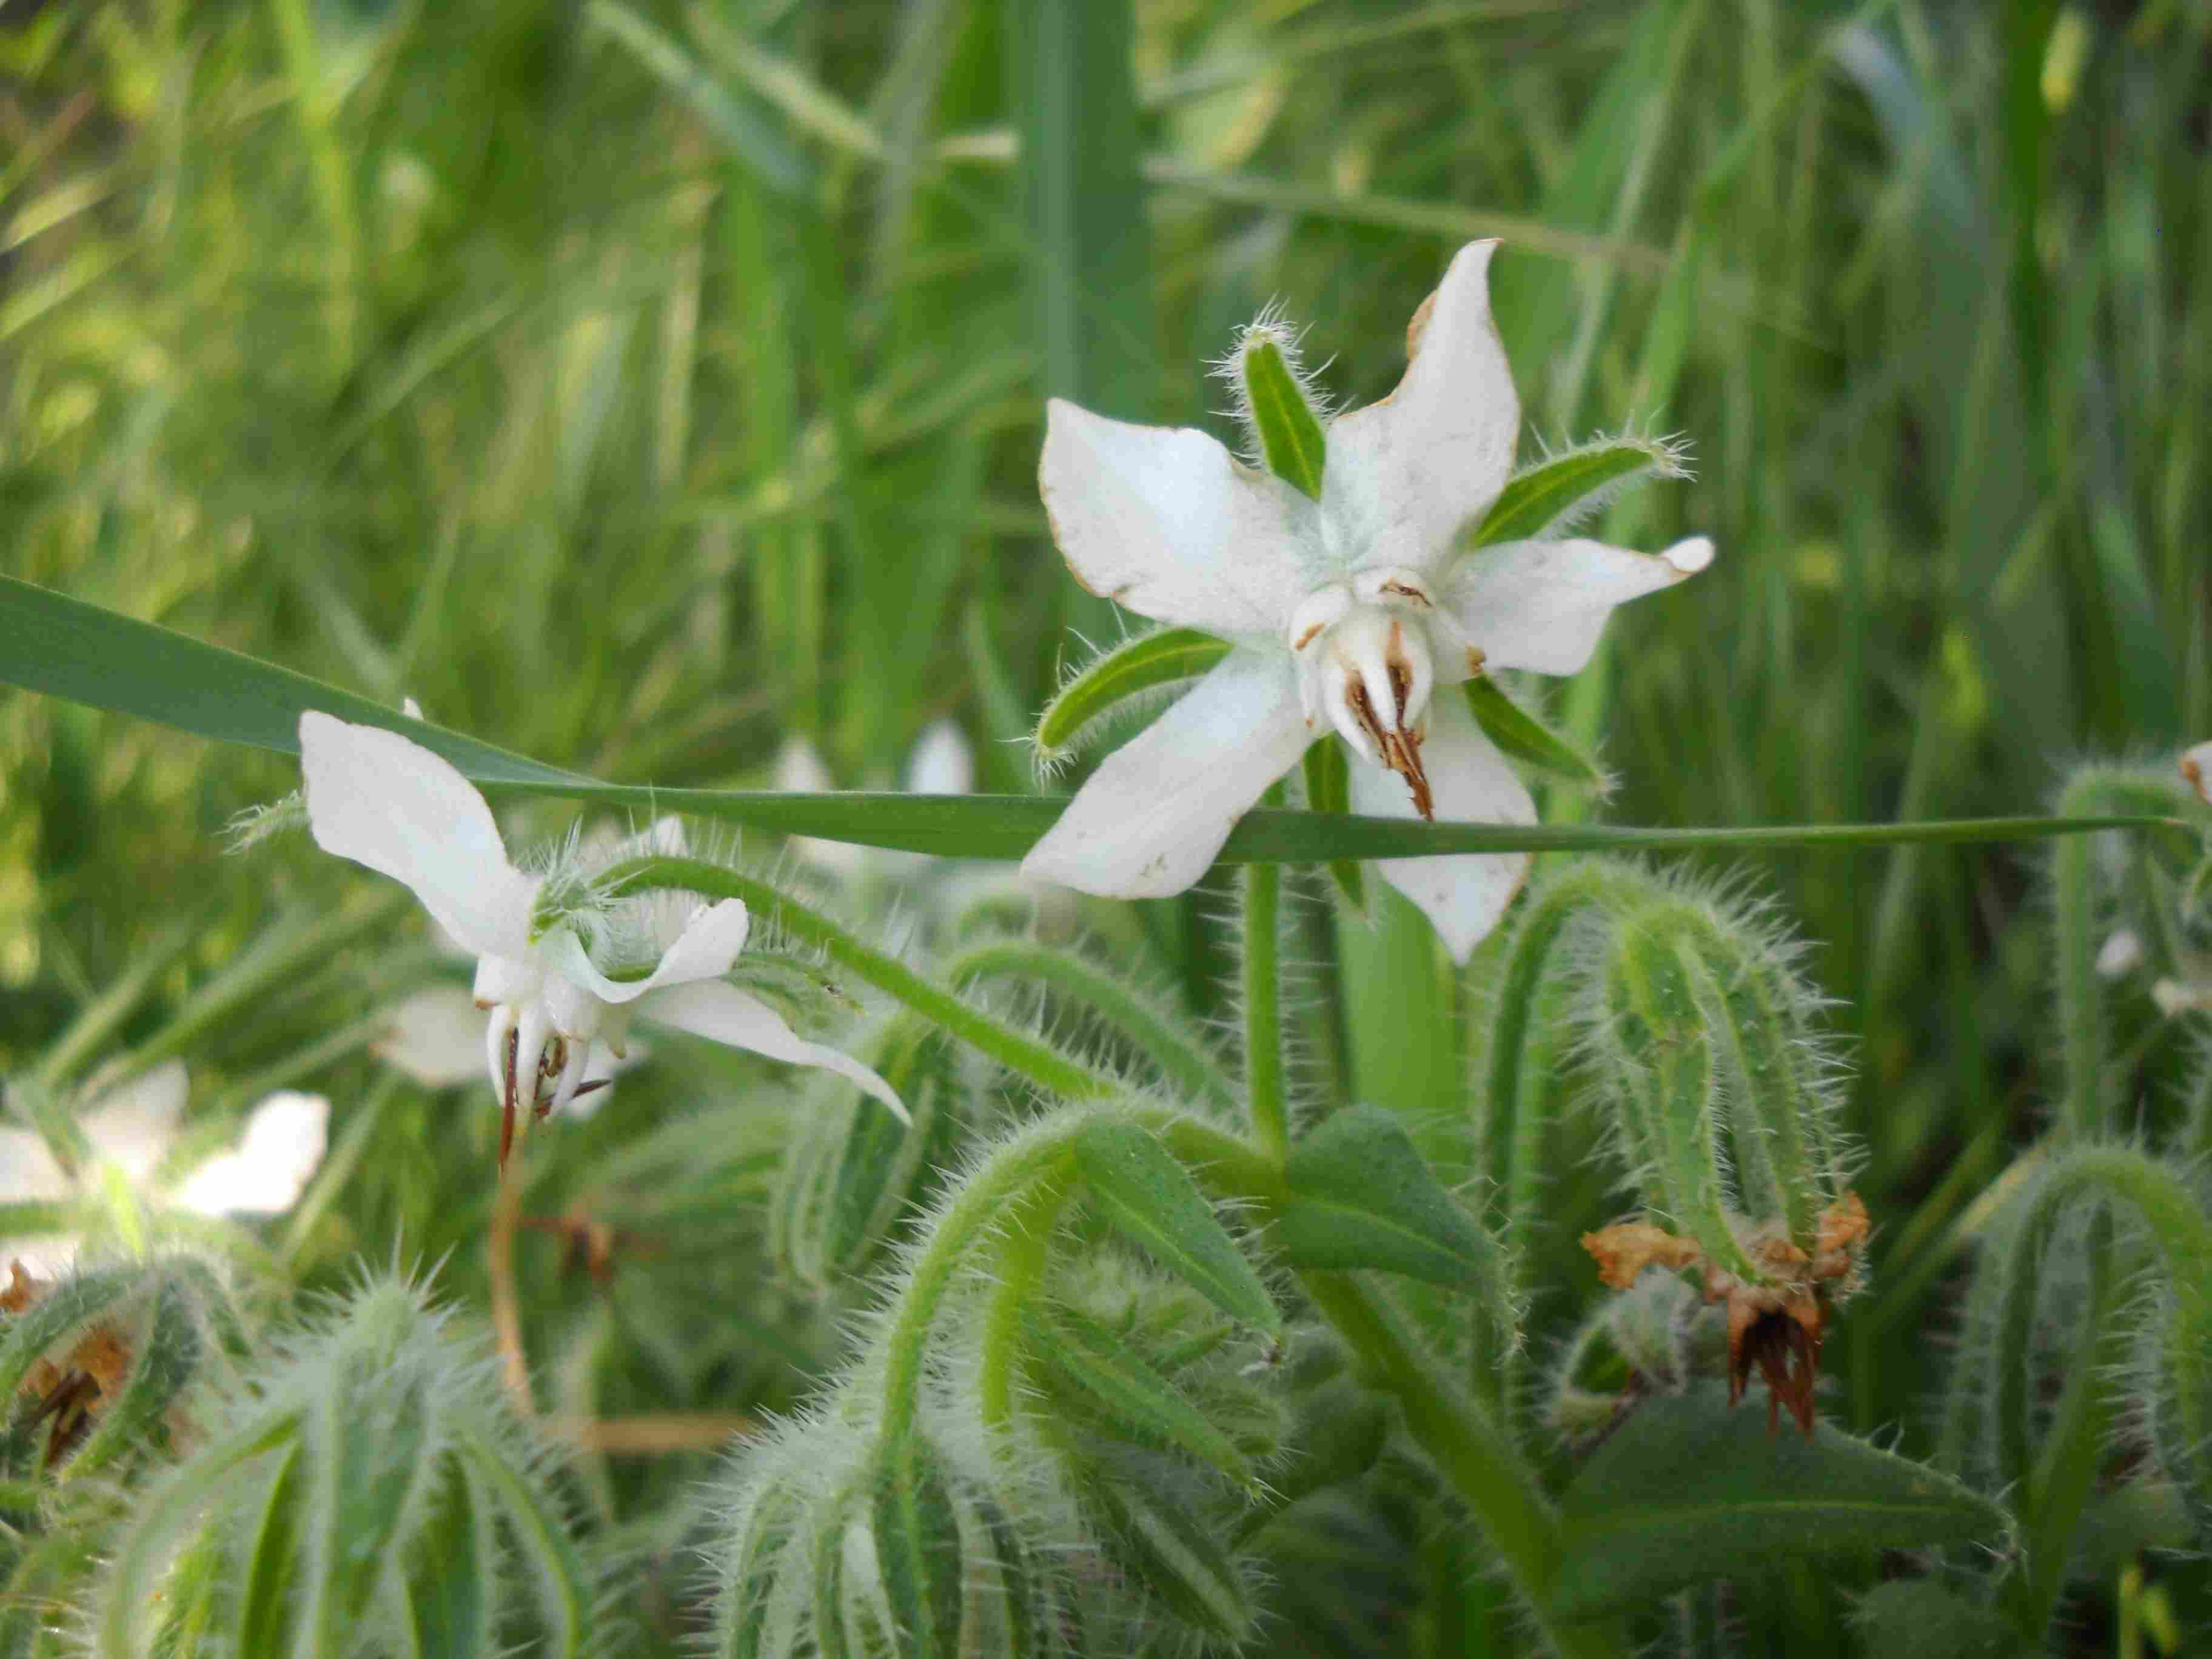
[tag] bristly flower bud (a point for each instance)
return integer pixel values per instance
(1702, 1039)
(839, 1541)
(366, 1484)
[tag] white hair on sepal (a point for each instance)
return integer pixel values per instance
(1272, 328)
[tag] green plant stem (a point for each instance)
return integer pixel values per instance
(1474, 1455)
(1182, 1059)
(1017, 1051)
(1263, 1008)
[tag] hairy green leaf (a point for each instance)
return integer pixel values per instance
(1362, 1196)
(1688, 1489)
(1151, 1199)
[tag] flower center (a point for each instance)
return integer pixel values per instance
(539, 1039)
(1363, 652)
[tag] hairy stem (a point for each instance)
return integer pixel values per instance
(1180, 1057)
(1263, 1008)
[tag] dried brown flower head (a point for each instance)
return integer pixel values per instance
(1776, 1325)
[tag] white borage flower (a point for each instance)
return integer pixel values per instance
(1354, 603)
(131, 1132)
(382, 801)
(435, 1035)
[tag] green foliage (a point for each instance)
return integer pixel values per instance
(1687, 1490)
(638, 384)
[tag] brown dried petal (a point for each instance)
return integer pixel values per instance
(1627, 1248)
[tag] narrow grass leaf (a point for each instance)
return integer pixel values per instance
(743, 131)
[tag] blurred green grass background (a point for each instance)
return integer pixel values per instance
(635, 384)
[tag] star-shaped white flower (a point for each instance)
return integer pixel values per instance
(1354, 609)
(131, 1130)
(381, 800)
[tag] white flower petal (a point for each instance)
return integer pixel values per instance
(379, 799)
(1164, 520)
(1463, 893)
(709, 943)
(29, 1174)
(282, 1147)
(1152, 816)
(1405, 475)
(132, 1127)
(942, 764)
(712, 1009)
(2196, 767)
(1542, 605)
(436, 1037)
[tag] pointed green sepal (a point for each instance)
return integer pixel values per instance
(1552, 495)
(1283, 419)
(1328, 789)
(1083, 1364)
(1163, 658)
(1521, 736)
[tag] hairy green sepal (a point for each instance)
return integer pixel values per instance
(1292, 441)
(1150, 1199)
(1521, 736)
(1544, 498)
(1165, 656)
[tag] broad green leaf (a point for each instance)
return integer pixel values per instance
(1290, 437)
(1548, 497)
(1362, 1196)
(61, 647)
(1328, 789)
(1151, 1199)
(1688, 1489)
(1521, 736)
(1084, 1360)
(1165, 656)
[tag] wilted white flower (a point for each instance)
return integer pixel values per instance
(555, 983)
(1353, 609)
(132, 1130)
